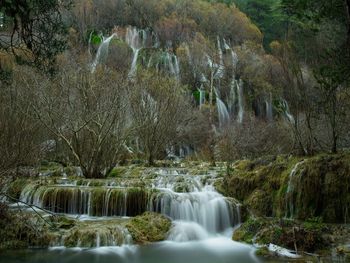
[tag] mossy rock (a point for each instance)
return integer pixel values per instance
(321, 186)
(284, 233)
(22, 230)
(62, 222)
(260, 203)
(248, 230)
(15, 188)
(149, 227)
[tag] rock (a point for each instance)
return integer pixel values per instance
(149, 227)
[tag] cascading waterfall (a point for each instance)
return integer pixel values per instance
(172, 64)
(232, 97)
(223, 113)
(286, 111)
(102, 51)
(290, 191)
(224, 116)
(221, 67)
(198, 206)
(269, 112)
(92, 201)
(136, 39)
(239, 85)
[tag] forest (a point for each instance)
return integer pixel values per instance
(175, 130)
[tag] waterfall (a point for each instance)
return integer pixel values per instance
(286, 111)
(136, 39)
(223, 113)
(191, 201)
(239, 86)
(172, 64)
(232, 98)
(290, 191)
(132, 71)
(206, 208)
(268, 105)
(234, 57)
(224, 116)
(102, 52)
(221, 67)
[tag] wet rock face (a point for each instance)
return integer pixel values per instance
(149, 227)
(299, 188)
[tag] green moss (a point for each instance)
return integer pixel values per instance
(322, 183)
(248, 230)
(22, 230)
(285, 233)
(15, 188)
(149, 227)
(263, 252)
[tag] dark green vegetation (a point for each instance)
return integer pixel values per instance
(34, 31)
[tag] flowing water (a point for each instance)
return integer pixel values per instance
(203, 220)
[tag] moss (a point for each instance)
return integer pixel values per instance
(322, 183)
(117, 172)
(285, 233)
(15, 188)
(263, 252)
(51, 168)
(260, 203)
(22, 230)
(248, 230)
(62, 222)
(149, 227)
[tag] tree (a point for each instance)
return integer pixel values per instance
(158, 110)
(20, 136)
(267, 15)
(334, 93)
(35, 31)
(84, 112)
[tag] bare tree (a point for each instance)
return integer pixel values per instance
(19, 142)
(83, 111)
(254, 138)
(158, 111)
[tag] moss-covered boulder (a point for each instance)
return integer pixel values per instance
(89, 234)
(149, 227)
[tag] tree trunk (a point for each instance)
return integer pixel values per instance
(150, 160)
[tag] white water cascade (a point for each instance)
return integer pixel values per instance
(221, 67)
(224, 116)
(286, 111)
(269, 110)
(202, 219)
(239, 85)
(136, 39)
(102, 52)
(290, 191)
